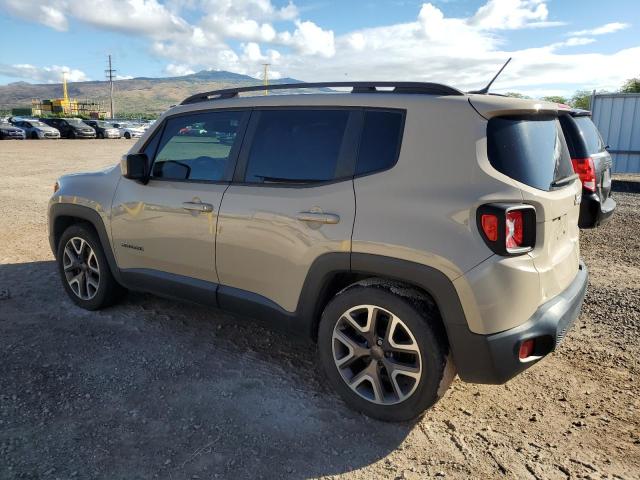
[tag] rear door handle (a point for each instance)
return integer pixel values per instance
(198, 207)
(328, 218)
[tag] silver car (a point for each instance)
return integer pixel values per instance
(37, 130)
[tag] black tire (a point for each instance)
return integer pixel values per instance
(109, 291)
(127, 135)
(100, 135)
(71, 135)
(34, 136)
(422, 319)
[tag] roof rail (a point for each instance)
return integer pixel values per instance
(357, 87)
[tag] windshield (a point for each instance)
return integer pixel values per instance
(75, 121)
(37, 124)
(531, 150)
(590, 134)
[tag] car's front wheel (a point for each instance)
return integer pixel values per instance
(84, 269)
(127, 135)
(384, 352)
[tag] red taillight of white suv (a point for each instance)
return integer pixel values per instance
(507, 229)
(586, 170)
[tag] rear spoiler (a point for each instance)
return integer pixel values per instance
(489, 106)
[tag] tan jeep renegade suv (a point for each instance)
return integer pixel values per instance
(412, 231)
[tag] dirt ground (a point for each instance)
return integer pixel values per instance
(156, 389)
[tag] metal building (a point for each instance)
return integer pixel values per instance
(617, 116)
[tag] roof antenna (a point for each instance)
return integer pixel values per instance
(485, 90)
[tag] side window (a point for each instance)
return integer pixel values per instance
(197, 146)
(296, 146)
(152, 145)
(380, 141)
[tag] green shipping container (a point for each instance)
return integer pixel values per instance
(21, 112)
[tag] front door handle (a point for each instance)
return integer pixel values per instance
(198, 207)
(328, 218)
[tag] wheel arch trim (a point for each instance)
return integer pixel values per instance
(466, 347)
(86, 214)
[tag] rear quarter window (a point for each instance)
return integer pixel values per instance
(531, 150)
(380, 141)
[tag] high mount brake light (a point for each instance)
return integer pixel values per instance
(586, 170)
(507, 229)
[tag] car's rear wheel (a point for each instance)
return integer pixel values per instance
(384, 352)
(127, 135)
(34, 136)
(84, 269)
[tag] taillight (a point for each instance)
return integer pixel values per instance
(490, 227)
(586, 170)
(514, 229)
(507, 229)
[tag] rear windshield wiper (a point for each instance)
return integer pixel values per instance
(564, 181)
(266, 178)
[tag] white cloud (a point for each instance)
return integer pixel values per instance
(576, 41)
(309, 39)
(34, 10)
(52, 74)
(512, 14)
(178, 70)
(142, 17)
(602, 30)
(240, 35)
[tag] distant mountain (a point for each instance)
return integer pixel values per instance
(136, 95)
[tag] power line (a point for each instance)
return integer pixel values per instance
(109, 74)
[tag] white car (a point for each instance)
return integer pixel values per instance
(129, 130)
(36, 130)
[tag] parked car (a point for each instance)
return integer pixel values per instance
(412, 232)
(35, 129)
(103, 129)
(11, 132)
(592, 163)
(128, 130)
(70, 127)
(195, 130)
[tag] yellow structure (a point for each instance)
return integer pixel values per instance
(68, 106)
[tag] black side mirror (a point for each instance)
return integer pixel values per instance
(134, 166)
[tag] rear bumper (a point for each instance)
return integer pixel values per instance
(593, 212)
(494, 358)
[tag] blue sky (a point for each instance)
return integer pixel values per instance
(558, 46)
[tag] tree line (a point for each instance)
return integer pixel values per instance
(582, 98)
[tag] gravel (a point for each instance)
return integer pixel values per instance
(156, 389)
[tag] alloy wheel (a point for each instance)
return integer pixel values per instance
(81, 268)
(376, 354)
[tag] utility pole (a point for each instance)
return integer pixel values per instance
(266, 78)
(109, 73)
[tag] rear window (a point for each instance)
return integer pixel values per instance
(531, 150)
(589, 132)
